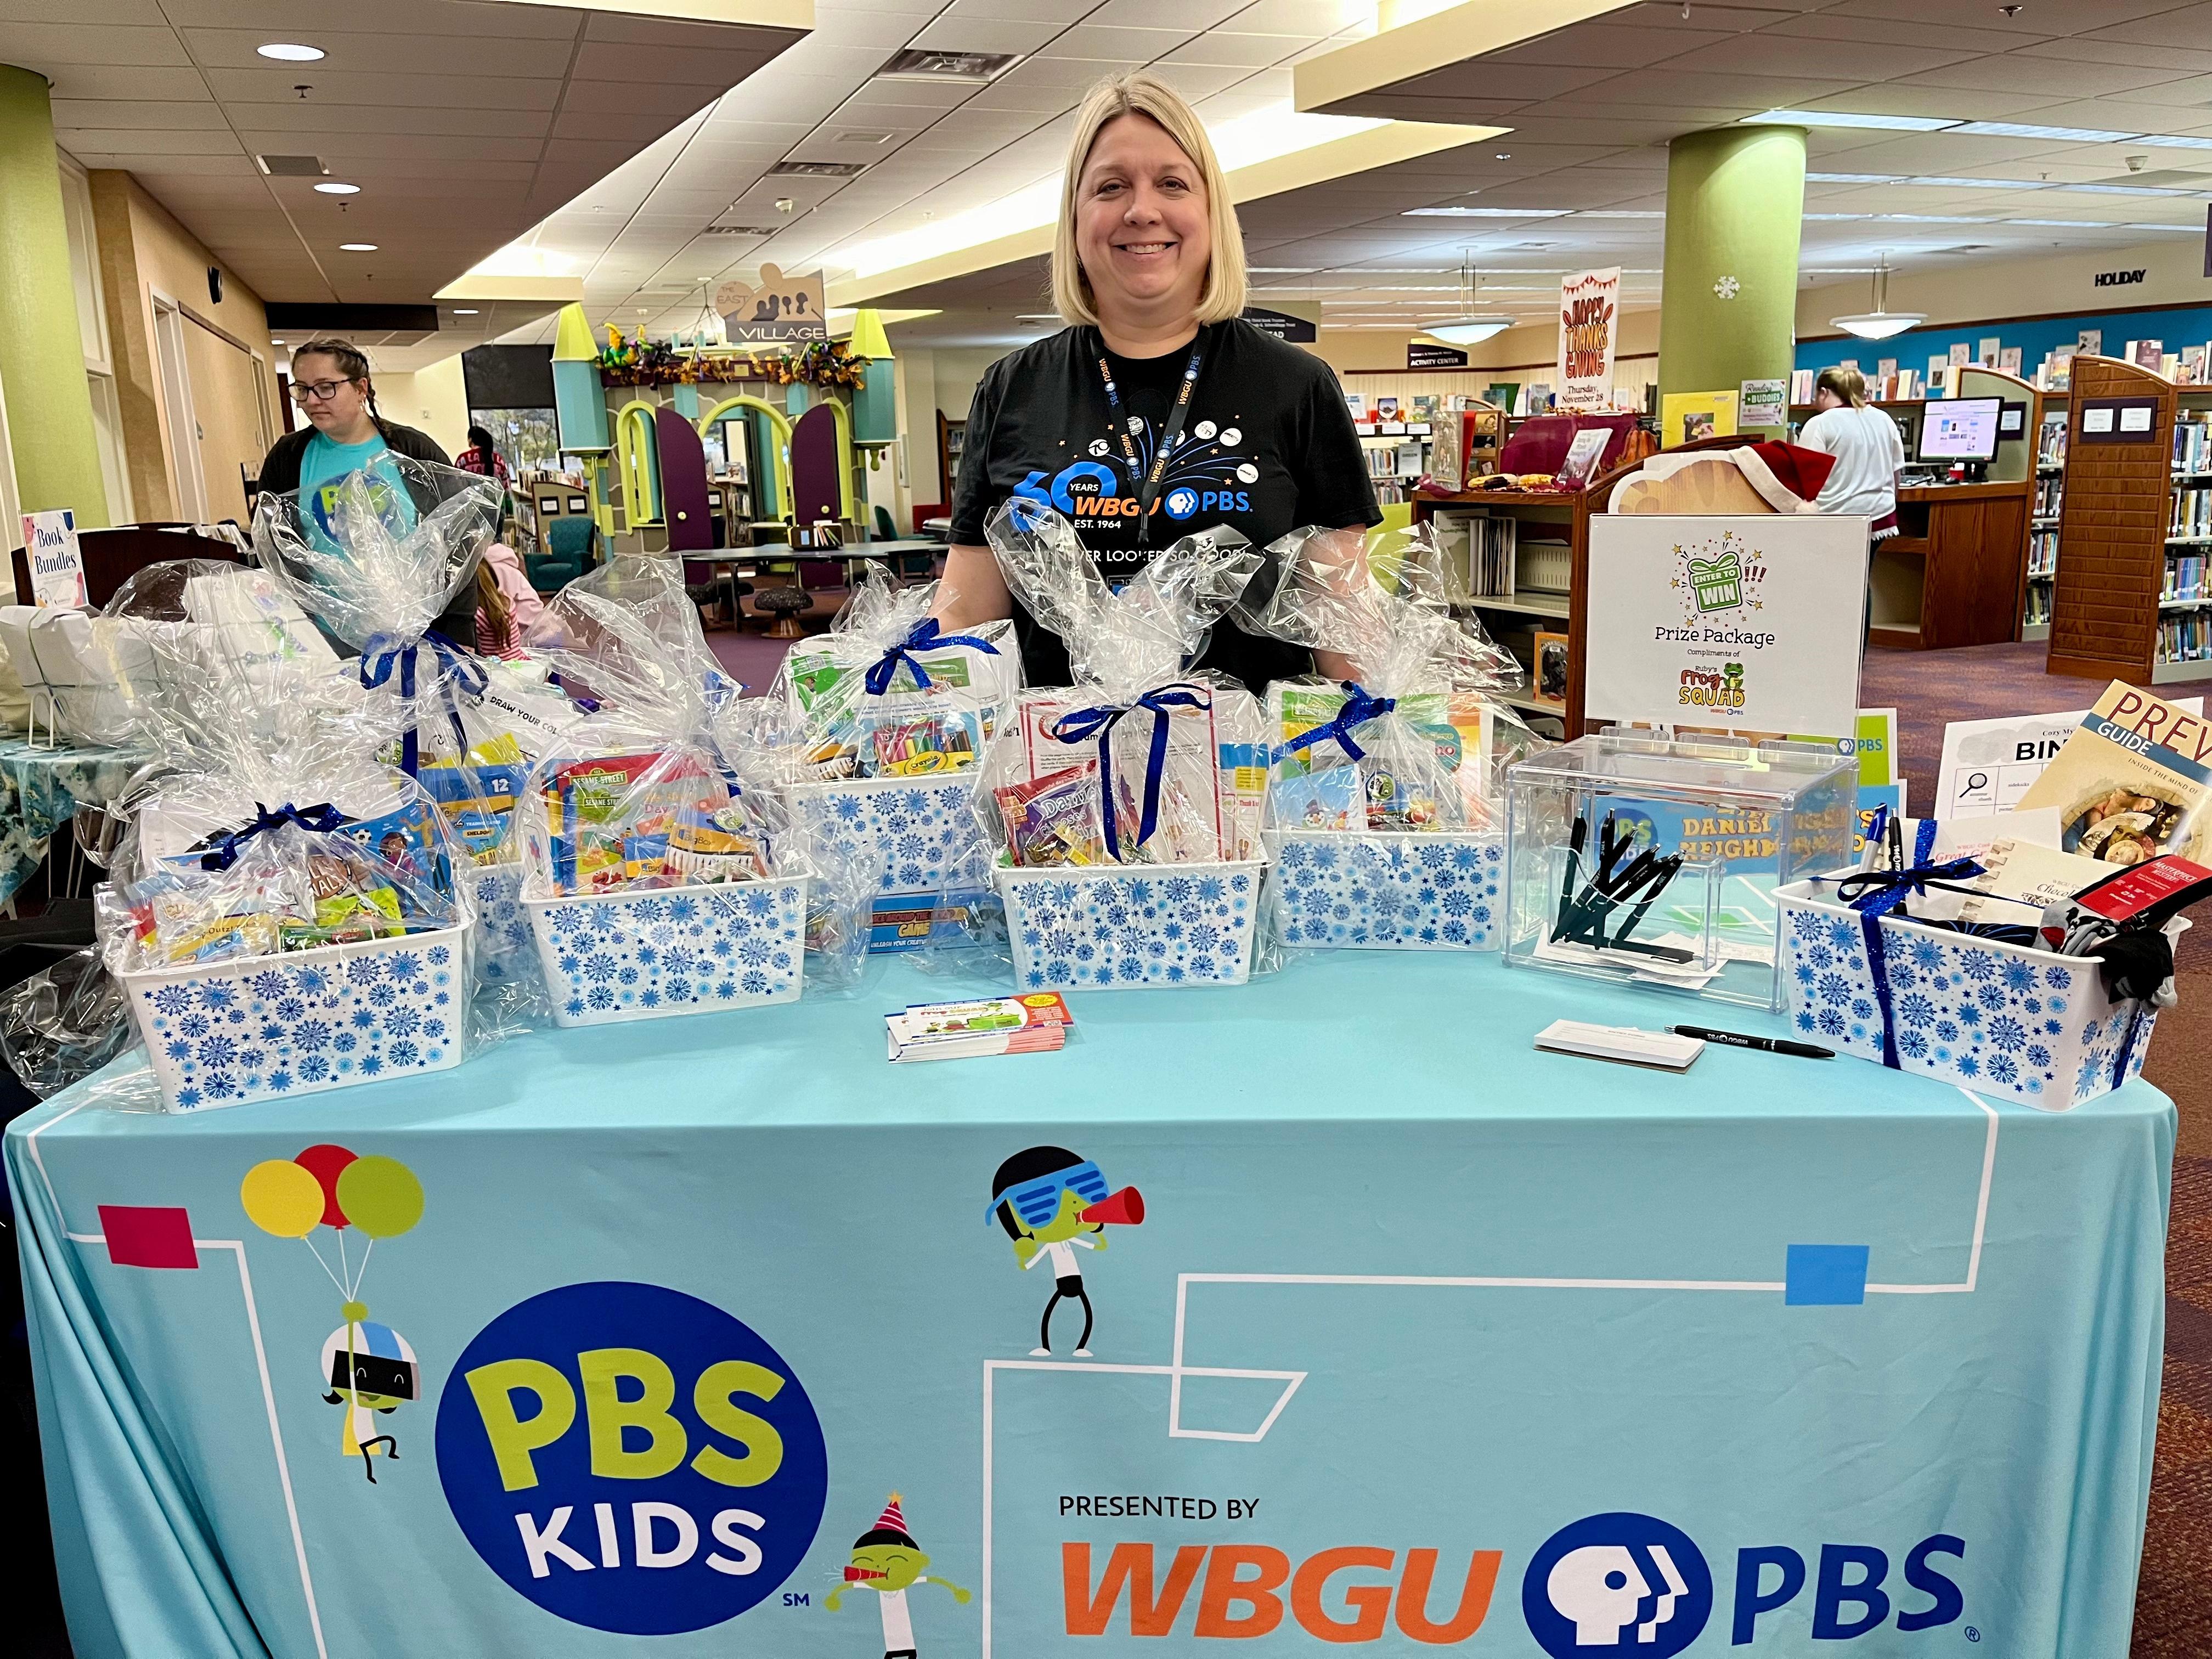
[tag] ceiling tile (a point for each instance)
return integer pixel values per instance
(1247, 51)
(43, 45)
(416, 91)
(382, 52)
(1108, 44)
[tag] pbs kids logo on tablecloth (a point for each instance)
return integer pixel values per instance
(631, 1458)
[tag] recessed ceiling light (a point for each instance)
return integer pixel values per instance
(1829, 118)
(284, 53)
(465, 311)
(330, 187)
(356, 247)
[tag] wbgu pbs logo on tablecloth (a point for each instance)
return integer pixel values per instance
(631, 1458)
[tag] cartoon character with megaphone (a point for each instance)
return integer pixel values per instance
(1053, 1204)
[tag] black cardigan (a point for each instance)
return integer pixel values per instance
(280, 474)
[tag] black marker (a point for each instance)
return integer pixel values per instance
(1742, 1040)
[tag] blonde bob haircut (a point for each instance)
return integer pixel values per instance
(1226, 288)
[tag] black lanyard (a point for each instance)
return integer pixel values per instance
(1147, 485)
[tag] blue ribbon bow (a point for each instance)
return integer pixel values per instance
(323, 817)
(923, 636)
(1079, 724)
(1878, 892)
(1359, 708)
(382, 653)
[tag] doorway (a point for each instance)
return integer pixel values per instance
(189, 484)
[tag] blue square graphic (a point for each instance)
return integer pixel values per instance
(1826, 1276)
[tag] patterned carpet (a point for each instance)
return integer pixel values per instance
(1927, 688)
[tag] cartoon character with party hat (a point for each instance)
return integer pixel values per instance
(366, 1367)
(1052, 1204)
(371, 1369)
(887, 1560)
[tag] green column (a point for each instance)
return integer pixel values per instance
(41, 352)
(1728, 309)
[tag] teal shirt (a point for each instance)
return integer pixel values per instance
(325, 464)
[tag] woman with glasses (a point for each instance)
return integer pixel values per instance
(347, 433)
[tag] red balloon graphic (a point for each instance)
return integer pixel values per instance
(324, 1163)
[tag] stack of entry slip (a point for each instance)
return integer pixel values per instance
(995, 1025)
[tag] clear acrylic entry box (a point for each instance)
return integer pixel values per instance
(1745, 820)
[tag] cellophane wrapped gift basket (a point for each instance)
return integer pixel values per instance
(1124, 811)
(280, 913)
(662, 874)
(1383, 817)
(888, 715)
(378, 559)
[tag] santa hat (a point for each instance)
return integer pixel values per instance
(893, 1519)
(1786, 476)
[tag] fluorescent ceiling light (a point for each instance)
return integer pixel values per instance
(466, 311)
(1828, 117)
(1620, 213)
(2124, 190)
(2029, 130)
(1981, 184)
(1486, 213)
(1282, 270)
(1934, 218)
(1264, 136)
(286, 53)
(356, 247)
(1831, 217)
(1854, 177)
(2186, 230)
(329, 187)
(2068, 224)
(2163, 142)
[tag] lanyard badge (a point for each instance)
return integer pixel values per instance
(1147, 484)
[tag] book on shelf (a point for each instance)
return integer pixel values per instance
(1480, 549)
(2184, 577)
(1801, 385)
(2185, 636)
(2190, 515)
(2038, 613)
(2042, 553)
(2192, 446)
(2051, 440)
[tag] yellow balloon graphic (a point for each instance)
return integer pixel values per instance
(282, 1198)
(379, 1196)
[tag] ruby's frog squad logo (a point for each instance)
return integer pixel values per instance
(1722, 576)
(631, 1458)
(1208, 477)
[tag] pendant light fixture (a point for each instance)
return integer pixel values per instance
(1881, 322)
(1476, 324)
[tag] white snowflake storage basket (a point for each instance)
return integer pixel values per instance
(1413, 890)
(1129, 926)
(2001, 1019)
(305, 1021)
(919, 840)
(663, 951)
(503, 942)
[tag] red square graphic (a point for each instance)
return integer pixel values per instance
(147, 1236)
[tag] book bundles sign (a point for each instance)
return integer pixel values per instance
(1590, 312)
(57, 562)
(1726, 623)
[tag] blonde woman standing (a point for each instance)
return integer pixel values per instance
(1158, 411)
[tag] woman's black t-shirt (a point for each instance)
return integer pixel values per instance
(1266, 447)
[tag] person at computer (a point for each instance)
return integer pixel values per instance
(1867, 450)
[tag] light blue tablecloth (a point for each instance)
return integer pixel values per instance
(39, 790)
(1423, 1334)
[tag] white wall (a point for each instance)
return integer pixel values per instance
(432, 400)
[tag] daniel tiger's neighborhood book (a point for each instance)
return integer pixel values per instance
(2133, 781)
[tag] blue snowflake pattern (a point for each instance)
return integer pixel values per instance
(675, 951)
(1338, 889)
(1975, 1012)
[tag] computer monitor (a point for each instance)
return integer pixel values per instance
(1959, 428)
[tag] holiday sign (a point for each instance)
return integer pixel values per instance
(1589, 311)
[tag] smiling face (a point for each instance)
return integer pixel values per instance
(1066, 1222)
(1142, 230)
(886, 1567)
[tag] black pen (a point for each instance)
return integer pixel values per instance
(1742, 1040)
(1573, 869)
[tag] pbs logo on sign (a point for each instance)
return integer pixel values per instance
(1181, 502)
(631, 1458)
(1623, 1581)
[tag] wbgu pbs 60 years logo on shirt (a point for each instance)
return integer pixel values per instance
(631, 1458)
